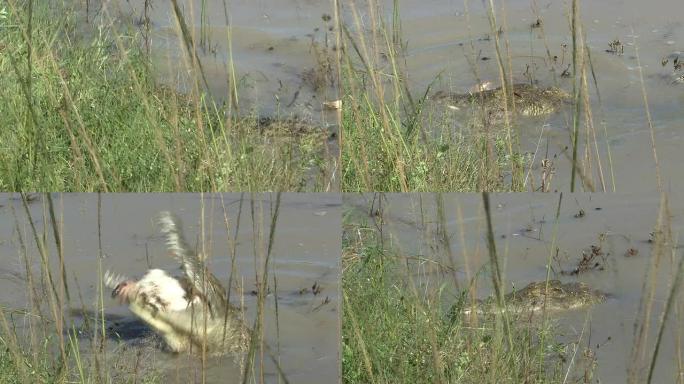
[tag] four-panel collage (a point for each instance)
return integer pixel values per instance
(341, 191)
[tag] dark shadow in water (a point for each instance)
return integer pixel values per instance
(121, 328)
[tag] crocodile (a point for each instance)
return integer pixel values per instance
(528, 100)
(532, 298)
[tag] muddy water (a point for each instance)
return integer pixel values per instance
(306, 251)
(273, 48)
(523, 226)
(439, 35)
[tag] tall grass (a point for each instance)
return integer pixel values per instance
(645, 354)
(390, 142)
(404, 317)
(403, 323)
(81, 110)
(42, 342)
(395, 141)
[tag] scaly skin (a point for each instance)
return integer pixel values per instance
(532, 298)
(528, 101)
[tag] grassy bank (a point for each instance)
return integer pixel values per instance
(37, 367)
(394, 331)
(397, 138)
(380, 154)
(394, 141)
(80, 110)
(407, 319)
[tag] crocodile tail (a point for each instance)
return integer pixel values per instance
(203, 281)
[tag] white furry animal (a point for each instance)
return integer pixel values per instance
(190, 312)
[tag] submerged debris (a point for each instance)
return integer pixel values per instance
(290, 125)
(592, 259)
(677, 74)
(616, 47)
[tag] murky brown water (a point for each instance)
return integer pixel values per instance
(438, 34)
(306, 251)
(273, 48)
(523, 225)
